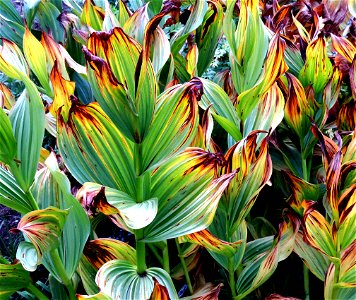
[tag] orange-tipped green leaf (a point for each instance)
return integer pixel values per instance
(62, 91)
(206, 239)
(89, 141)
(159, 292)
(318, 232)
(344, 47)
(317, 70)
(297, 109)
(43, 228)
(36, 56)
(100, 251)
(175, 123)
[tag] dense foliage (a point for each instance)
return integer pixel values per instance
(177, 148)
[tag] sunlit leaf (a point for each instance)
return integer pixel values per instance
(92, 15)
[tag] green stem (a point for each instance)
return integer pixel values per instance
(140, 252)
(185, 269)
(306, 282)
(155, 252)
(165, 255)
(305, 168)
(58, 265)
(232, 276)
(36, 292)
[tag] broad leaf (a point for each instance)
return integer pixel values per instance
(12, 278)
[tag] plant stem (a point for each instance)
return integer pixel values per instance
(155, 252)
(305, 168)
(185, 269)
(36, 292)
(306, 282)
(232, 276)
(57, 263)
(140, 253)
(165, 255)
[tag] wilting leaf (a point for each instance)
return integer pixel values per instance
(119, 279)
(207, 240)
(52, 188)
(100, 251)
(187, 194)
(317, 70)
(36, 57)
(318, 232)
(43, 228)
(12, 278)
(344, 47)
(174, 124)
(27, 254)
(89, 141)
(8, 143)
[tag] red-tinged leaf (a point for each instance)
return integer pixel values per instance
(297, 109)
(317, 70)
(207, 292)
(280, 297)
(7, 99)
(159, 292)
(206, 239)
(350, 152)
(62, 91)
(352, 74)
(92, 15)
(332, 182)
(89, 141)
(43, 228)
(346, 119)
(301, 190)
(318, 232)
(100, 251)
(344, 47)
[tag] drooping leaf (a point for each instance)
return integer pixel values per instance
(89, 141)
(43, 228)
(119, 279)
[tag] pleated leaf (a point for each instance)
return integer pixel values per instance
(8, 143)
(120, 280)
(209, 241)
(52, 188)
(316, 261)
(317, 70)
(318, 232)
(94, 150)
(26, 253)
(92, 15)
(344, 47)
(175, 123)
(12, 278)
(102, 250)
(43, 228)
(187, 194)
(11, 194)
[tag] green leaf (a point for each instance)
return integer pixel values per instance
(135, 25)
(120, 280)
(8, 10)
(11, 30)
(87, 274)
(187, 194)
(27, 254)
(316, 261)
(28, 122)
(43, 228)
(92, 15)
(89, 141)
(174, 125)
(30, 9)
(52, 188)
(7, 139)
(12, 278)
(11, 194)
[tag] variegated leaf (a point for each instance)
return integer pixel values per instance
(12, 278)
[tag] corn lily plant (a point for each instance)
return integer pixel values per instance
(134, 123)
